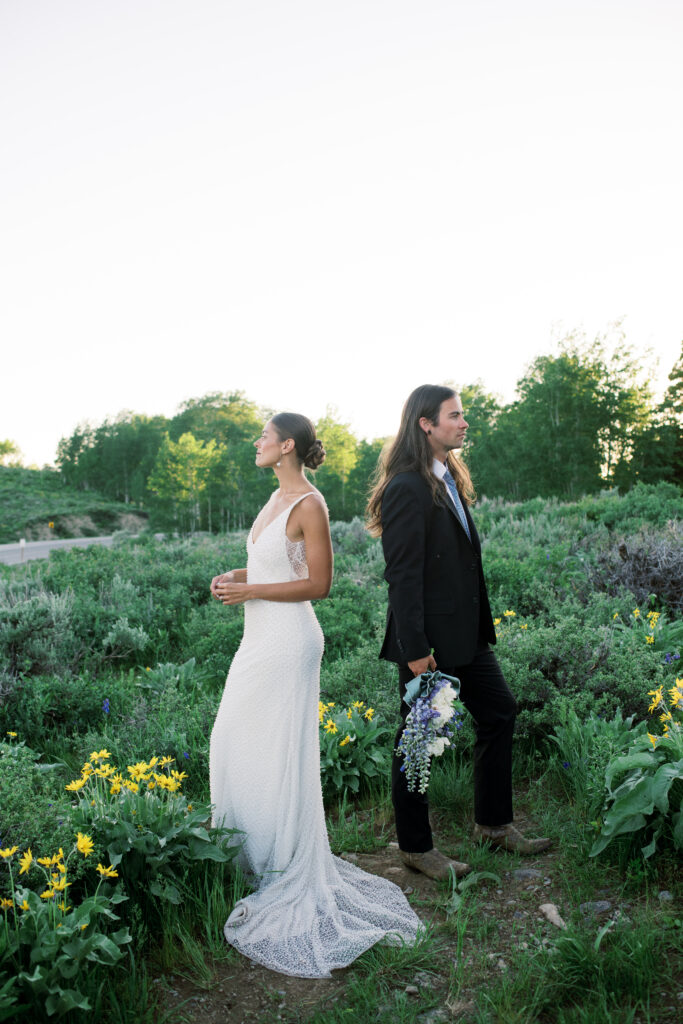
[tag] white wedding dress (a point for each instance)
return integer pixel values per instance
(311, 912)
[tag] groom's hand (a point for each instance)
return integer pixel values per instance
(427, 664)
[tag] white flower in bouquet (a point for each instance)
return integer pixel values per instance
(443, 703)
(437, 746)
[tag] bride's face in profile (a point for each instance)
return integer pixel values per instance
(268, 447)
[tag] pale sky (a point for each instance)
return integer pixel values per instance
(326, 202)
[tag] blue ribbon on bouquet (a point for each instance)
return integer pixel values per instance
(422, 685)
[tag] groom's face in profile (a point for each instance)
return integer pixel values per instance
(449, 430)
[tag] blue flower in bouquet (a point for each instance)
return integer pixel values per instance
(427, 731)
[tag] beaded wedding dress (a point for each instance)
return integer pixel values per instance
(311, 912)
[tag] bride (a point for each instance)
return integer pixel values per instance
(310, 912)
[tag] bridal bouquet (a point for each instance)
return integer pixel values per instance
(429, 725)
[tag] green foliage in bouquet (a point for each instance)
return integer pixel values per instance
(350, 750)
(52, 954)
(645, 785)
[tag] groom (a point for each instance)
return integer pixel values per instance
(439, 617)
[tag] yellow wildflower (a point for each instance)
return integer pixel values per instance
(369, 713)
(115, 789)
(45, 861)
(665, 717)
(153, 762)
(649, 639)
(653, 739)
(342, 743)
(107, 872)
(12, 734)
(178, 775)
(24, 905)
(497, 622)
(84, 926)
(62, 906)
(321, 711)
(358, 704)
(172, 785)
(60, 884)
(100, 755)
(132, 786)
(657, 698)
(523, 625)
(636, 613)
(616, 615)
(8, 852)
(6, 904)
(330, 727)
(56, 857)
(139, 770)
(349, 714)
(26, 860)
(76, 785)
(47, 895)
(169, 760)
(509, 614)
(676, 697)
(85, 844)
(189, 807)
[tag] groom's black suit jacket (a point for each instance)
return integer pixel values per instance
(437, 593)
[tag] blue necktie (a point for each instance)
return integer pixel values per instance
(450, 484)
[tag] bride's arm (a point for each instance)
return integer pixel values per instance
(312, 519)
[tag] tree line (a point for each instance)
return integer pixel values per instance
(583, 419)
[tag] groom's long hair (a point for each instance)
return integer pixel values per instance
(410, 451)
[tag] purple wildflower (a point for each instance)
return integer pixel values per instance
(105, 705)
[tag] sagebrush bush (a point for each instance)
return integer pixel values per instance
(34, 809)
(648, 565)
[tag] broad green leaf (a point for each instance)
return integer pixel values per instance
(663, 780)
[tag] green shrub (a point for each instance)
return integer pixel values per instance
(34, 811)
(150, 831)
(351, 751)
(57, 950)
(644, 787)
(592, 667)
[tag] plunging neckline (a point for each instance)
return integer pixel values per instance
(255, 540)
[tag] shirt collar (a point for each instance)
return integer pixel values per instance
(439, 469)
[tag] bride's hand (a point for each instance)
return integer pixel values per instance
(233, 593)
(226, 577)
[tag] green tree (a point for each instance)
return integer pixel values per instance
(657, 453)
(341, 447)
(179, 479)
(481, 410)
(360, 481)
(7, 450)
(575, 419)
(236, 488)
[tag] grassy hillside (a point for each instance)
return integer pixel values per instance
(31, 499)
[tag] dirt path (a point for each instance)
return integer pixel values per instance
(244, 993)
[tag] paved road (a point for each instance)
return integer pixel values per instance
(11, 554)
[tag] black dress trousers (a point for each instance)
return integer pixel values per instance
(487, 697)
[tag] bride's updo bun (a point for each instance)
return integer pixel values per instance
(316, 455)
(309, 449)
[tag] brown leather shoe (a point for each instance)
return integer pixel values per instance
(434, 864)
(507, 837)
